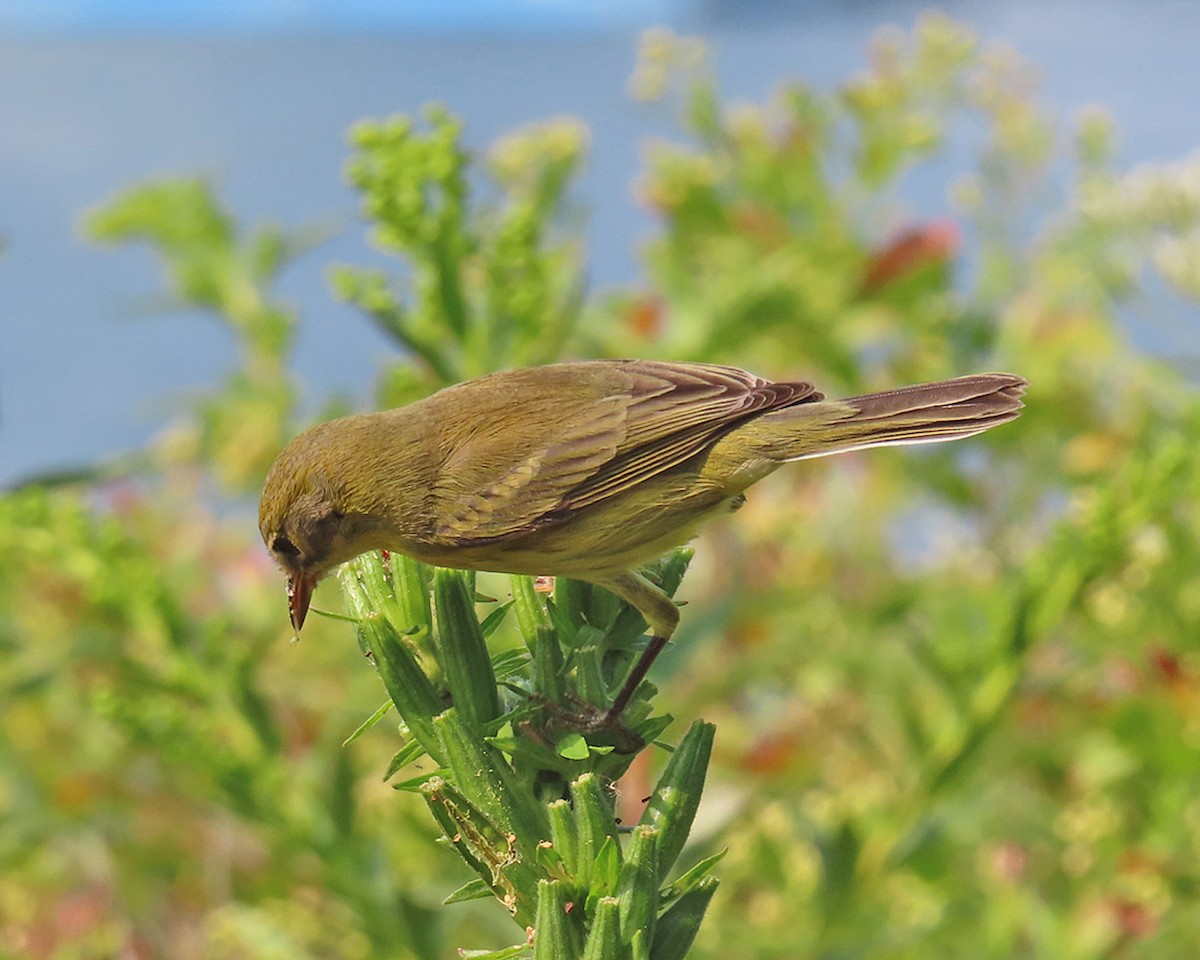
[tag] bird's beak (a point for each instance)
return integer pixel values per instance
(300, 588)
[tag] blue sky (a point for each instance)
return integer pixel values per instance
(253, 15)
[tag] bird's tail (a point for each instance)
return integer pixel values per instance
(925, 413)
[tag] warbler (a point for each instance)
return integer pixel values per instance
(588, 469)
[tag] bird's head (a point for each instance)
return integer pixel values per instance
(304, 519)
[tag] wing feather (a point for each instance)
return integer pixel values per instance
(619, 424)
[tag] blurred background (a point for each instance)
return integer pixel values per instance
(957, 690)
(257, 98)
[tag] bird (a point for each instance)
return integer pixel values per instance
(586, 469)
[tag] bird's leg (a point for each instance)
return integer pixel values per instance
(633, 681)
(661, 615)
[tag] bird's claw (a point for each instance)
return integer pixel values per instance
(586, 718)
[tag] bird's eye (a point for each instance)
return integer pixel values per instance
(282, 545)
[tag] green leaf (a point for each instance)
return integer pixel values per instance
(509, 663)
(672, 568)
(331, 615)
(572, 746)
(534, 755)
(556, 934)
(637, 887)
(405, 681)
(678, 925)
(367, 724)
(529, 608)
(560, 620)
(407, 754)
(414, 784)
(506, 953)
(463, 652)
(672, 806)
(604, 939)
(563, 833)
(471, 890)
(691, 877)
(639, 944)
(493, 620)
(505, 866)
(480, 771)
(606, 870)
(548, 666)
(570, 601)
(594, 823)
(410, 581)
(586, 659)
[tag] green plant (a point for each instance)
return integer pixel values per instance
(491, 288)
(525, 801)
(958, 690)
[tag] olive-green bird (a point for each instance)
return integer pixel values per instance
(587, 470)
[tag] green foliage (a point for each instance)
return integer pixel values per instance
(522, 795)
(489, 290)
(148, 746)
(957, 689)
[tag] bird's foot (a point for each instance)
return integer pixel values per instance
(586, 719)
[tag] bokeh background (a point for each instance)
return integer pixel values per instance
(257, 97)
(957, 691)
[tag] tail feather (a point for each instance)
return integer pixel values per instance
(925, 413)
(995, 391)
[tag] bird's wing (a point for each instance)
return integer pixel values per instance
(573, 435)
